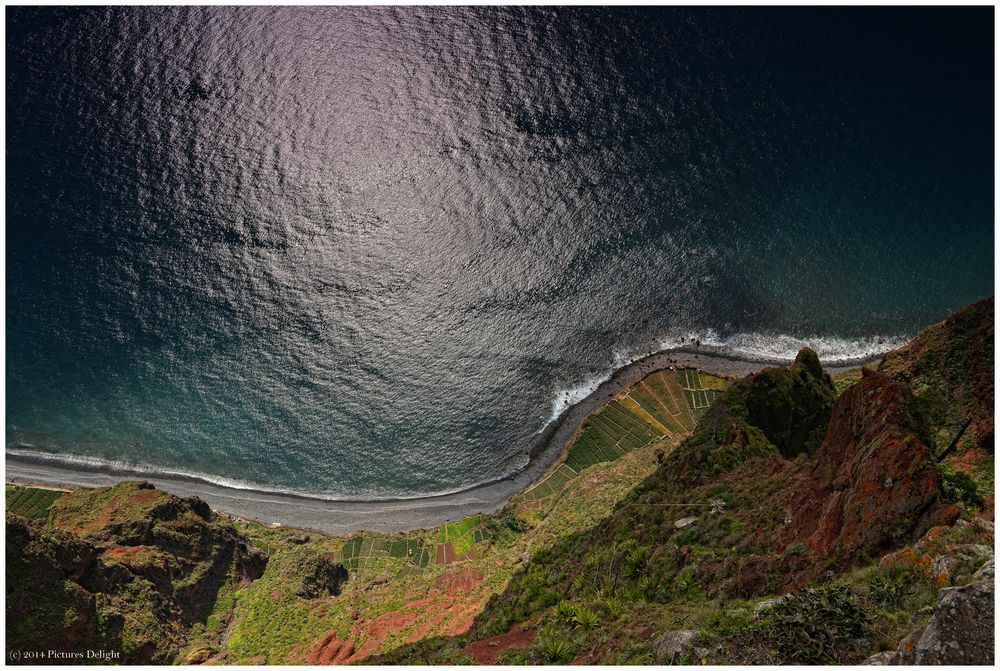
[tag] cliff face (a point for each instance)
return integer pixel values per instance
(873, 482)
(780, 490)
(793, 525)
(130, 569)
(949, 367)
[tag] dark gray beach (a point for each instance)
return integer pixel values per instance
(392, 515)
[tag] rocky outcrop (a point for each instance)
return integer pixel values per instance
(871, 486)
(47, 608)
(673, 647)
(307, 572)
(323, 579)
(776, 411)
(873, 480)
(790, 406)
(950, 367)
(961, 630)
(128, 568)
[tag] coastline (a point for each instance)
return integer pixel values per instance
(398, 515)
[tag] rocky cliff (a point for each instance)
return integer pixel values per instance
(128, 569)
(798, 522)
(790, 527)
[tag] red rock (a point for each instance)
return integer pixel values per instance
(872, 479)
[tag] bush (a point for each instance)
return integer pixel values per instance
(565, 612)
(614, 607)
(807, 626)
(553, 647)
(888, 589)
(796, 550)
(961, 488)
(514, 657)
(585, 618)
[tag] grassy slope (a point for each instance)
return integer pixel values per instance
(574, 561)
(390, 602)
(600, 594)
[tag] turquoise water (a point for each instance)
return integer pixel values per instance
(363, 252)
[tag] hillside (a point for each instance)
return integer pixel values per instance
(861, 526)
(783, 517)
(129, 569)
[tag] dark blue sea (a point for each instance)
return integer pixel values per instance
(370, 252)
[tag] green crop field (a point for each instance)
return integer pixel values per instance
(30, 502)
(700, 389)
(655, 409)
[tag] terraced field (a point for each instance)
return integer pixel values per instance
(665, 404)
(30, 502)
(363, 553)
(456, 541)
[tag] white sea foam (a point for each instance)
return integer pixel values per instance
(567, 398)
(744, 346)
(757, 347)
(832, 350)
(124, 468)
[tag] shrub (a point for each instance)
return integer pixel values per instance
(807, 626)
(961, 488)
(514, 657)
(614, 607)
(888, 589)
(796, 550)
(553, 647)
(636, 560)
(564, 612)
(585, 618)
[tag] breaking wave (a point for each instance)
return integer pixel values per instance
(755, 347)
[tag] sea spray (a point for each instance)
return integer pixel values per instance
(753, 347)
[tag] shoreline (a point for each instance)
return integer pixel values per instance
(398, 515)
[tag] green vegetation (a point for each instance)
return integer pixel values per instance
(962, 488)
(677, 507)
(30, 502)
(86, 511)
(807, 626)
(127, 568)
(658, 409)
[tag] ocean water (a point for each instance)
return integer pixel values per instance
(370, 252)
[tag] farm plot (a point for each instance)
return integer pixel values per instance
(30, 502)
(363, 553)
(553, 484)
(458, 539)
(662, 395)
(658, 407)
(700, 389)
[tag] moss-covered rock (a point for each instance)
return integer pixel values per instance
(311, 574)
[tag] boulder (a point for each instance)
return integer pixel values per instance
(961, 630)
(673, 646)
(880, 658)
(766, 605)
(324, 580)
